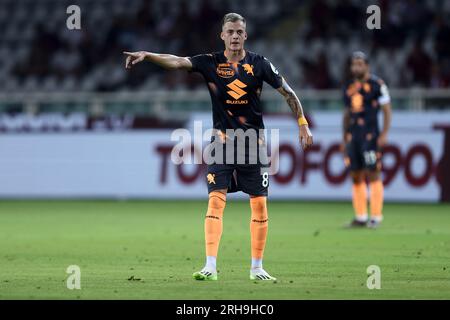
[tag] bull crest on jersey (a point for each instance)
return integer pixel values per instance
(211, 178)
(248, 68)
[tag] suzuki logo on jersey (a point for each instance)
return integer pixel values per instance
(236, 89)
(236, 92)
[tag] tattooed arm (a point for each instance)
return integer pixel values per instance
(305, 136)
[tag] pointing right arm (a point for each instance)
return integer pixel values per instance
(167, 61)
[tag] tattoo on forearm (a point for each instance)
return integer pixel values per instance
(292, 100)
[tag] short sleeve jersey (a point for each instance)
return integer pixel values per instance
(235, 88)
(364, 99)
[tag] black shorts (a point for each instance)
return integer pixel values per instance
(363, 153)
(252, 179)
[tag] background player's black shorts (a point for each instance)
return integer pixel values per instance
(252, 179)
(364, 154)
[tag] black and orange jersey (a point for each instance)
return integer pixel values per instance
(364, 99)
(235, 88)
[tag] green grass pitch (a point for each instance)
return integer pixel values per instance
(149, 250)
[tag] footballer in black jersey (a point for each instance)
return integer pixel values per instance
(364, 96)
(235, 88)
(235, 78)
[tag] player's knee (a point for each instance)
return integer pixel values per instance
(357, 177)
(259, 207)
(217, 201)
(374, 176)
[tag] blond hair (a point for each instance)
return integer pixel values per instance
(232, 17)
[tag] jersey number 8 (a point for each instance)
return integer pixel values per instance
(265, 179)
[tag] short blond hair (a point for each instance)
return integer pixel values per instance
(232, 17)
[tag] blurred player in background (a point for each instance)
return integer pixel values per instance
(235, 78)
(364, 95)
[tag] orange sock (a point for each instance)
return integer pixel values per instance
(376, 199)
(258, 225)
(213, 222)
(360, 200)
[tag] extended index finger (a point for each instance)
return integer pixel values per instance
(129, 53)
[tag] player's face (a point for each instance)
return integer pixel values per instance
(233, 35)
(359, 68)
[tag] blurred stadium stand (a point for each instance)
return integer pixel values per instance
(309, 42)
